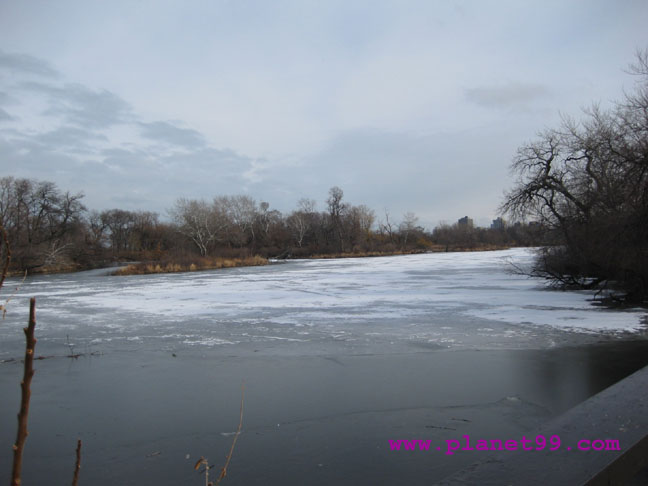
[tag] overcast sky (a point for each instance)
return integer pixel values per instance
(406, 105)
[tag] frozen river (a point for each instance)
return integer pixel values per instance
(445, 300)
(338, 356)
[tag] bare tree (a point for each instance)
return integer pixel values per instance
(360, 221)
(587, 183)
(336, 210)
(242, 212)
(387, 227)
(198, 221)
(40, 220)
(300, 221)
(335, 205)
(264, 217)
(407, 226)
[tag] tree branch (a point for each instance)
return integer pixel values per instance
(22, 434)
(223, 472)
(77, 467)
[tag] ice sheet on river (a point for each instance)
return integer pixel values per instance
(438, 298)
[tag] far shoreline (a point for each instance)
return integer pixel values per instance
(198, 264)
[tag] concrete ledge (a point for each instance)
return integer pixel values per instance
(618, 412)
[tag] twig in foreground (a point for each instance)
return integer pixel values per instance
(203, 461)
(223, 472)
(22, 434)
(77, 467)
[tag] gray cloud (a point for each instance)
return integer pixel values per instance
(211, 171)
(6, 100)
(80, 105)
(70, 138)
(80, 151)
(508, 96)
(25, 64)
(4, 116)
(132, 178)
(380, 168)
(153, 181)
(439, 176)
(134, 175)
(23, 157)
(168, 133)
(102, 184)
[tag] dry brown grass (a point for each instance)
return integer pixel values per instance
(204, 263)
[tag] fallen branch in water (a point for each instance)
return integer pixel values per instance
(22, 434)
(52, 356)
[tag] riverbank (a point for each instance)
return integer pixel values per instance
(171, 264)
(215, 263)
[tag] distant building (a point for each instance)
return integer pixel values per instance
(498, 223)
(465, 221)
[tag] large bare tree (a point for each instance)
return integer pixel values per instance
(586, 182)
(199, 221)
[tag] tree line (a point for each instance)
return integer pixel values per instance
(586, 182)
(51, 230)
